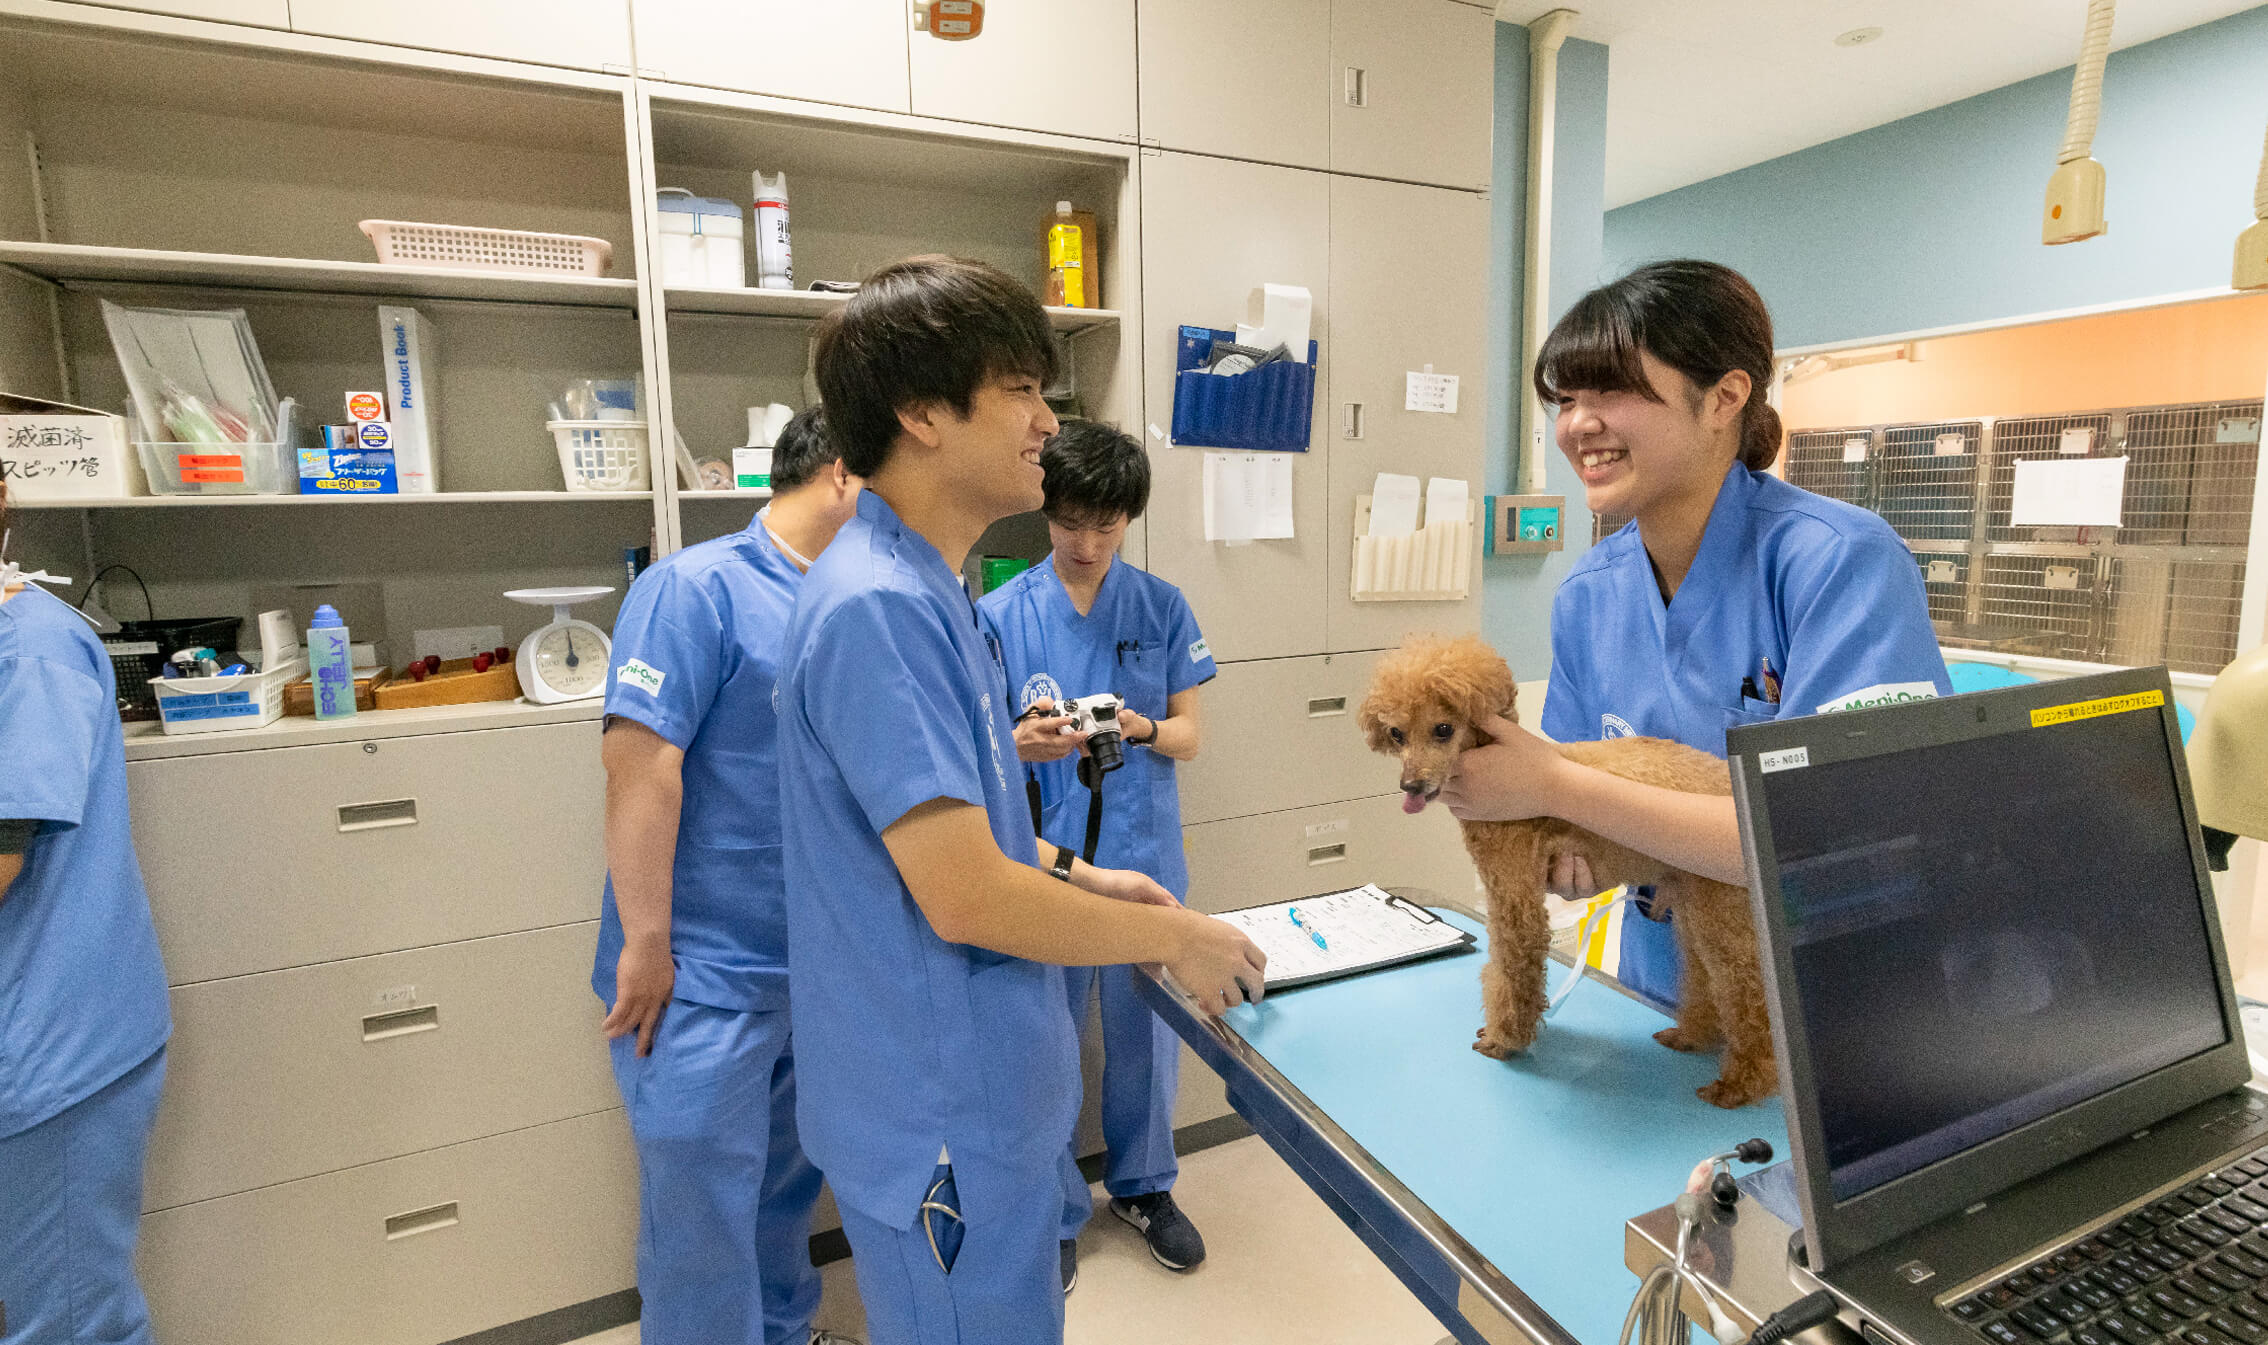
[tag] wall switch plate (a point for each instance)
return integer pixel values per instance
(1520, 525)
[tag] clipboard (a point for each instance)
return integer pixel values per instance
(1344, 933)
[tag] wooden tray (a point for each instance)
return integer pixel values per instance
(455, 684)
(299, 697)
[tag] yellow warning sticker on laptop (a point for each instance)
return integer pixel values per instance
(2108, 705)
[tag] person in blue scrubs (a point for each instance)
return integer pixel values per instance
(82, 993)
(937, 1071)
(1731, 597)
(692, 952)
(1078, 624)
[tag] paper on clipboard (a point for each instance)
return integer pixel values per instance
(1341, 933)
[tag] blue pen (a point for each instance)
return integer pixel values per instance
(1293, 912)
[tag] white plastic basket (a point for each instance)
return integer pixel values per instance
(463, 247)
(219, 704)
(600, 455)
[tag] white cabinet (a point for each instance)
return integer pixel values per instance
(1250, 79)
(260, 13)
(1213, 231)
(842, 51)
(1408, 289)
(1281, 733)
(1066, 66)
(585, 34)
(1250, 861)
(1413, 91)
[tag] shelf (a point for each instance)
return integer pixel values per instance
(811, 305)
(341, 502)
(725, 494)
(73, 264)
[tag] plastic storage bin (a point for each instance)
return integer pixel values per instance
(219, 704)
(601, 455)
(465, 248)
(219, 469)
(139, 648)
(1268, 407)
(701, 243)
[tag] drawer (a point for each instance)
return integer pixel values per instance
(1280, 733)
(288, 1074)
(262, 860)
(1250, 861)
(414, 1250)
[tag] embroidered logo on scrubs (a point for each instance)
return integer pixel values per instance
(1199, 652)
(1615, 726)
(641, 675)
(1886, 693)
(1038, 687)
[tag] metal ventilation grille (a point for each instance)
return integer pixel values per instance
(1604, 526)
(2165, 586)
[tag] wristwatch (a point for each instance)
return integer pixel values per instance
(1145, 742)
(1062, 867)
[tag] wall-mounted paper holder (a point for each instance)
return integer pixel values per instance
(1267, 407)
(1432, 564)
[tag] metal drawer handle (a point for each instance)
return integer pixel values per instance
(1358, 87)
(367, 816)
(427, 1220)
(1323, 706)
(401, 1022)
(1326, 854)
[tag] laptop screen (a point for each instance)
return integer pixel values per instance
(1985, 932)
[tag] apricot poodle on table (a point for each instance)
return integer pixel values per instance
(1425, 705)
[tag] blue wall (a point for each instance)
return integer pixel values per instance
(1516, 590)
(1933, 221)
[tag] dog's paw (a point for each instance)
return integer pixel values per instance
(1500, 1045)
(1679, 1039)
(1729, 1095)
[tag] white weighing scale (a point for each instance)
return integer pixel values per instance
(568, 659)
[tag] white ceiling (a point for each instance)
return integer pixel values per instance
(1696, 88)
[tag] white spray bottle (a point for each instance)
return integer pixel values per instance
(775, 260)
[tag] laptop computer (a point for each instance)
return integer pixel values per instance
(2014, 1072)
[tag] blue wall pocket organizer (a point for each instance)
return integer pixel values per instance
(1268, 407)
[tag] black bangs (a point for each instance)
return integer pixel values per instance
(1595, 348)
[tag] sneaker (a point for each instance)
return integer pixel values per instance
(819, 1337)
(1173, 1239)
(1067, 1255)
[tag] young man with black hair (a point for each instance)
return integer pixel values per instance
(1080, 624)
(938, 1073)
(692, 953)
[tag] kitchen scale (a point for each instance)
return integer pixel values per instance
(568, 659)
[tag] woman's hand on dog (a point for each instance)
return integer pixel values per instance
(1042, 737)
(1507, 780)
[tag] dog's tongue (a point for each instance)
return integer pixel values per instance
(1413, 803)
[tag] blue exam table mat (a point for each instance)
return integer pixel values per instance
(1536, 1161)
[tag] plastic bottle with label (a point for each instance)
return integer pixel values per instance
(1066, 259)
(330, 663)
(775, 259)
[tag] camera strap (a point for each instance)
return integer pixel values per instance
(1094, 805)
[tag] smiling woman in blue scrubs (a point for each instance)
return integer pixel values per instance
(692, 949)
(1731, 598)
(82, 993)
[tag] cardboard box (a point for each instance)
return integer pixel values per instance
(56, 451)
(347, 472)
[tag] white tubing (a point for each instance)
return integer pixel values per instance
(1545, 35)
(2087, 84)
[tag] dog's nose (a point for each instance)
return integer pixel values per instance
(1413, 786)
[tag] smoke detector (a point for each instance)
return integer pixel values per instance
(1858, 37)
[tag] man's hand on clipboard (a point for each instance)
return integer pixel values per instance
(1218, 966)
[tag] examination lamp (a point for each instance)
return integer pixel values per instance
(2228, 756)
(2074, 207)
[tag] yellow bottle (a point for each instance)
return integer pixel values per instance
(1066, 259)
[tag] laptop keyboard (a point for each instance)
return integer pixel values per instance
(2190, 1269)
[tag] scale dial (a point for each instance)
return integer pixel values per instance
(570, 659)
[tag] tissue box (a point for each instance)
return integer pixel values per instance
(343, 467)
(56, 451)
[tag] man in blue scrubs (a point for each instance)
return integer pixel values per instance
(938, 1072)
(82, 994)
(1078, 624)
(692, 954)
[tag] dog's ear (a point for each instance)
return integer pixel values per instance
(1371, 719)
(1480, 679)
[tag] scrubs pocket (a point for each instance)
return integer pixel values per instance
(941, 1221)
(1142, 680)
(1751, 711)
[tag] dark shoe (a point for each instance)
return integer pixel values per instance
(1173, 1239)
(1068, 1257)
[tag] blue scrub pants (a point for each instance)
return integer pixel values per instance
(1141, 1069)
(1005, 1284)
(70, 1205)
(724, 1191)
(1649, 966)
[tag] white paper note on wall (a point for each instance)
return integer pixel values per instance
(2068, 493)
(1430, 392)
(1248, 496)
(2077, 441)
(1286, 313)
(1445, 498)
(1854, 450)
(1393, 505)
(1952, 443)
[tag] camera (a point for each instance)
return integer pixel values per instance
(1097, 717)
